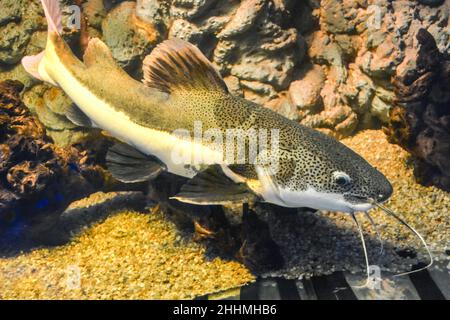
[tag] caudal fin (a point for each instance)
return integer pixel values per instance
(53, 16)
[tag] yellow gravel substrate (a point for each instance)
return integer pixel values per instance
(129, 256)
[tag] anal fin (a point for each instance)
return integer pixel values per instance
(129, 165)
(212, 187)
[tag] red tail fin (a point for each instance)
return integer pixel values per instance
(53, 15)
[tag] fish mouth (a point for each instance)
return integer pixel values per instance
(358, 203)
(360, 207)
(364, 203)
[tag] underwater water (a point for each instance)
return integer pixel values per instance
(97, 198)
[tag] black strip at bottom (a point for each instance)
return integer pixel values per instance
(288, 289)
(250, 291)
(425, 286)
(333, 287)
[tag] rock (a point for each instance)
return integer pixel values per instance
(18, 73)
(324, 51)
(338, 18)
(57, 101)
(259, 88)
(233, 85)
(37, 43)
(17, 32)
(53, 120)
(49, 105)
(286, 38)
(348, 126)
(39, 98)
(305, 92)
(255, 97)
(127, 39)
(183, 29)
(385, 94)
(284, 106)
(360, 45)
(330, 91)
(190, 9)
(382, 63)
(214, 24)
(222, 54)
(33, 97)
(243, 19)
(339, 121)
(432, 3)
(152, 11)
(380, 109)
(403, 16)
(267, 55)
(375, 38)
(68, 137)
(348, 45)
(13, 43)
(95, 12)
(274, 70)
(93, 33)
(11, 11)
(306, 19)
(358, 90)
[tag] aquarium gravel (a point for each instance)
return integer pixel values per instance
(128, 256)
(135, 255)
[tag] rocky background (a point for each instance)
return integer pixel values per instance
(328, 64)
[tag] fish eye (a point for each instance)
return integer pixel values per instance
(341, 178)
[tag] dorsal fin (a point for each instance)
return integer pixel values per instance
(98, 53)
(178, 65)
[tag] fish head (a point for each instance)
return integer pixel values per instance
(324, 174)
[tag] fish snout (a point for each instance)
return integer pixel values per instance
(384, 192)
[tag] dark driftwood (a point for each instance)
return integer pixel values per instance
(37, 178)
(420, 122)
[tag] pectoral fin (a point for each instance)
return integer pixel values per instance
(212, 187)
(76, 116)
(129, 165)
